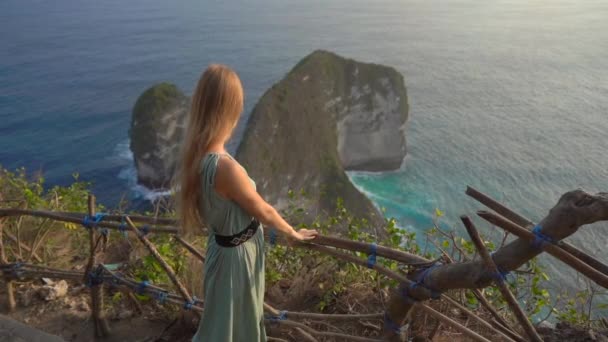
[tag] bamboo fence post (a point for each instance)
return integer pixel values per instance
(506, 293)
(526, 223)
(168, 269)
(569, 259)
(11, 304)
(102, 329)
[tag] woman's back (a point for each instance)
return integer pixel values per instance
(223, 216)
(234, 276)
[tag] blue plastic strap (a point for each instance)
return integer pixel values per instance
(142, 287)
(273, 237)
(91, 222)
(392, 326)
(540, 239)
(501, 275)
(161, 296)
(371, 259)
(94, 279)
(15, 269)
(189, 304)
(420, 282)
(280, 317)
(145, 229)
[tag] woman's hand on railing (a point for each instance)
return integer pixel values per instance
(302, 235)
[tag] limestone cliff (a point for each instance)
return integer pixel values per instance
(327, 115)
(157, 125)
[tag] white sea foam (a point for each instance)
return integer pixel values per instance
(128, 174)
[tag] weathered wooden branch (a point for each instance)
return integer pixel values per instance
(190, 248)
(506, 293)
(569, 259)
(405, 282)
(574, 209)
(528, 224)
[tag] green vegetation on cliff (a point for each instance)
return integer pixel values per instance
(296, 279)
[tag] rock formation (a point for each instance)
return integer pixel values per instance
(157, 126)
(327, 115)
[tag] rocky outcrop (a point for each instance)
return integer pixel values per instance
(327, 115)
(157, 126)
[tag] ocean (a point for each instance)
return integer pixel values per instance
(510, 97)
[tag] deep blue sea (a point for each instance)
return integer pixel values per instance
(508, 96)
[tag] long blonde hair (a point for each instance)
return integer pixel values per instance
(216, 106)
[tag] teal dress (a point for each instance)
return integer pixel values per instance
(234, 276)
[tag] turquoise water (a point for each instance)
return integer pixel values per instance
(508, 96)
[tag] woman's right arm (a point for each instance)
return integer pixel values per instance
(232, 182)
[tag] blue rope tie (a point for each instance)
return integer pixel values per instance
(501, 275)
(420, 282)
(540, 239)
(280, 317)
(371, 259)
(145, 229)
(142, 287)
(14, 269)
(273, 237)
(161, 296)
(392, 326)
(189, 304)
(91, 222)
(94, 278)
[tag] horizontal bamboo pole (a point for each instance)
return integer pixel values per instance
(77, 220)
(528, 224)
(504, 290)
(162, 221)
(393, 254)
(590, 272)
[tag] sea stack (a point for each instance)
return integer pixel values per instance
(329, 114)
(157, 127)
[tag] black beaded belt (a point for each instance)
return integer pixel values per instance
(240, 237)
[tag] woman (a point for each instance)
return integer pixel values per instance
(217, 192)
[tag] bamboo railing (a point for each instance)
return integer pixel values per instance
(411, 292)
